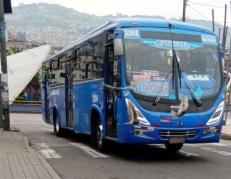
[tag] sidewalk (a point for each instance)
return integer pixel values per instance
(226, 130)
(19, 161)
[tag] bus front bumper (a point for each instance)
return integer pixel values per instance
(151, 135)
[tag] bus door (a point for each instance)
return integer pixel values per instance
(45, 96)
(69, 94)
(110, 93)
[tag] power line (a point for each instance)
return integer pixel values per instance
(215, 21)
(195, 10)
(204, 4)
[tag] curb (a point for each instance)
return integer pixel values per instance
(26, 141)
(49, 168)
(226, 136)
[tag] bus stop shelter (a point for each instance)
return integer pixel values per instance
(22, 67)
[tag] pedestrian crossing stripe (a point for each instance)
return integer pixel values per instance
(47, 152)
(89, 150)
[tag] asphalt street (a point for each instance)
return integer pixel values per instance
(73, 158)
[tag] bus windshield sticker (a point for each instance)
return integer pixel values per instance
(148, 75)
(199, 92)
(172, 96)
(179, 45)
(151, 72)
(209, 39)
(138, 78)
(150, 88)
(198, 77)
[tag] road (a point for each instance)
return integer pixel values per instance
(73, 158)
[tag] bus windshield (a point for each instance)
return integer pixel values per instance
(149, 62)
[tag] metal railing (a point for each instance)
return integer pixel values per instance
(22, 102)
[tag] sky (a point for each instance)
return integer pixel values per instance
(196, 9)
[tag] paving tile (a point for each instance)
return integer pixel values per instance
(19, 161)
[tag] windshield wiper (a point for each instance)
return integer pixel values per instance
(180, 72)
(175, 74)
(169, 77)
(196, 99)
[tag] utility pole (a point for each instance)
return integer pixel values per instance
(219, 35)
(4, 96)
(224, 30)
(213, 20)
(184, 10)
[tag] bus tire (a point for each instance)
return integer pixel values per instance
(58, 130)
(173, 147)
(97, 139)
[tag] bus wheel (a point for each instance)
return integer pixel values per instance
(57, 128)
(173, 147)
(97, 136)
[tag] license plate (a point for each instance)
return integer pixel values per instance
(176, 140)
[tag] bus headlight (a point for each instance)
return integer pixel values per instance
(217, 114)
(135, 116)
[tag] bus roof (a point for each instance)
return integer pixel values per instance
(162, 23)
(134, 22)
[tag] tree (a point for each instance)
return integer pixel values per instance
(13, 50)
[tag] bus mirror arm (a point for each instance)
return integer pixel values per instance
(228, 79)
(118, 47)
(112, 89)
(117, 90)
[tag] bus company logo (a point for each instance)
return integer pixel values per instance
(179, 123)
(167, 120)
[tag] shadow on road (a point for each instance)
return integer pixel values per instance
(138, 153)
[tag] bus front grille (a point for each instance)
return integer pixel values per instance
(169, 133)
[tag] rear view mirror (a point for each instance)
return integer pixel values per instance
(118, 47)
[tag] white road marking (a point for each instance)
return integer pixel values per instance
(220, 152)
(211, 147)
(47, 152)
(90, 151)
(209, 144)
(43, 145)
(219, 144)
(87, 151)
(188, 154)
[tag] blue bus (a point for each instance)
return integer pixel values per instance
(138, 81)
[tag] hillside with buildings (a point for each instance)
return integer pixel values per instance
(58, 25)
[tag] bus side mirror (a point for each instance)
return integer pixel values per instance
(118, 47)
(62, 75)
